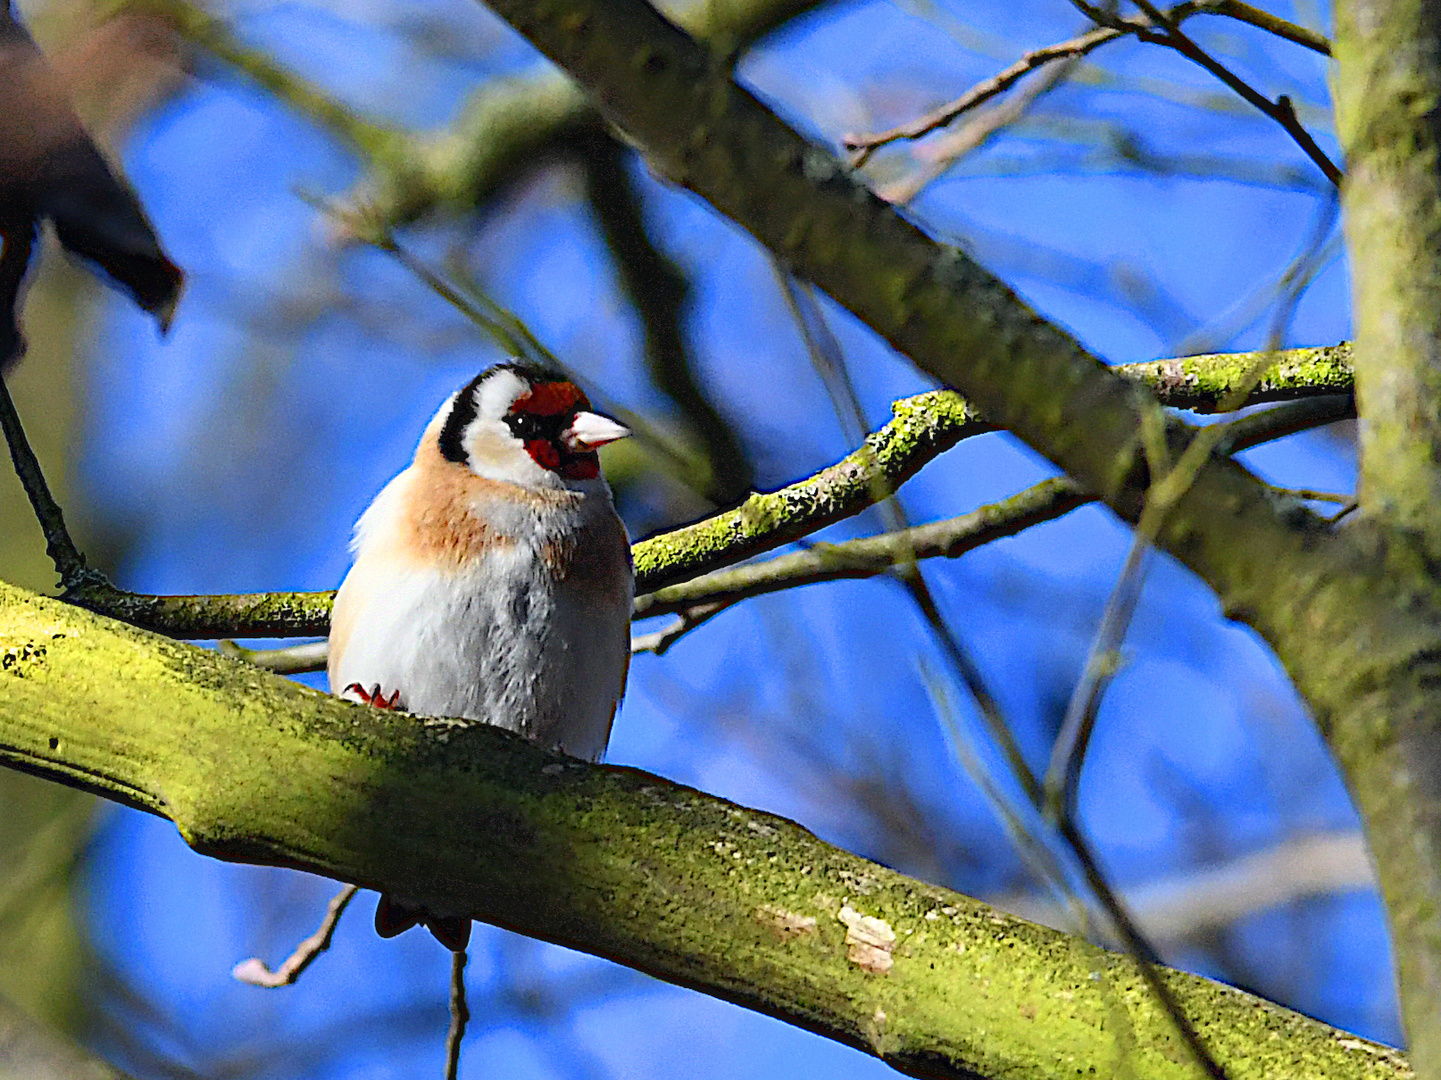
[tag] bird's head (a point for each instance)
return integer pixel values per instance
(527, 426)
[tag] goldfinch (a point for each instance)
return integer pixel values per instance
(492, 580)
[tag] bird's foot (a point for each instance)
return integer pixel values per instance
(391, 918)
(374, 696)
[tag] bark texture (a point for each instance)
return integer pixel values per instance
(695, 890)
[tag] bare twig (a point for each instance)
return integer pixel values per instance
(863, 146)
(828, 360)
(1309, 495)
(1281, 110)
(659, 641)
(1168, 485)
(69, 563)
(254, 971)
(459, 1014)
(981, 129)
(1139, 948)
(1262, 20)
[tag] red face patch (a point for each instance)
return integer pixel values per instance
(551, 399)
(557, 403)
(572, 466)
(545, 452)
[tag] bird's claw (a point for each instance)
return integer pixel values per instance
(374, 696)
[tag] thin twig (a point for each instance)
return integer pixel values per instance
(975, 134)
(1310, 495)
(828, 360)
(69, 563)
(1264, 20)
(1281, 110)
(1030, 842)
(459, 1014)
(1139, 948)
(863, 146)
(659, 641)
(1063, 774)
(254, 971)
(1168, 485)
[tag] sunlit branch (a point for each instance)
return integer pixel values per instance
(474, 819)
(870, 556)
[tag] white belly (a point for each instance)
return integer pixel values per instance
(501, 644)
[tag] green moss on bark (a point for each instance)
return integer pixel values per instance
(736, 903)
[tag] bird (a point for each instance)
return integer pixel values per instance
(492, 580)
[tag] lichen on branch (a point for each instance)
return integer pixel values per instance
(736, 903)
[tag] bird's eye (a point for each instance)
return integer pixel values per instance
(526, 426)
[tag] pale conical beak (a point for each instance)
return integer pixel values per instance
(591, 430)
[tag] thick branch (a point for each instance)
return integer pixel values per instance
(733, 902)
(1385, 107)
(1387, 85)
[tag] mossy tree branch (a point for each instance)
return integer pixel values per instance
(924, 426)
(1393, 232)
(873, 555)
(692, 889)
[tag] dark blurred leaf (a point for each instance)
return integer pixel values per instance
(51, 169)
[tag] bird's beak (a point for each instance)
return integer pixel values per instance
(591, 430)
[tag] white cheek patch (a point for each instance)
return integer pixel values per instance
(495, 396)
